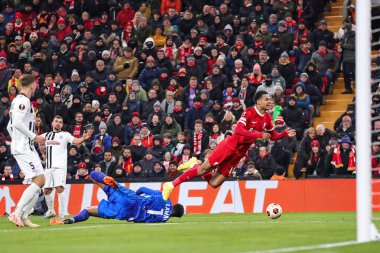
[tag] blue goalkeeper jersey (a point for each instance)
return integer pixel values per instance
(151, 207)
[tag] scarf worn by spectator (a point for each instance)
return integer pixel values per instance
(337, 159)
(184, 52)
(127, 165)
(304, 38)
(198, 142)
(4, 177)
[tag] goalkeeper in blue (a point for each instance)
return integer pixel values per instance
(145, 205)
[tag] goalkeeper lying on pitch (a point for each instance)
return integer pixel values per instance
(144, 205)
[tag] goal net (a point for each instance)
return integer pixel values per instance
(367, 58)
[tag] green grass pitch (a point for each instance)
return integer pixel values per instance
(211, 233)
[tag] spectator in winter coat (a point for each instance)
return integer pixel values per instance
(108, 164)
(125, 15)
(198, 138)
(312, 90)
(346, 128)
(285, 36)
(265, 163)
(134, 105)
(316, 163)
(103, 137)
(138, 150)
(158, 170)
(167, 104)
(303, 56)
(146, 136)
(157, 149)
(195, 113)
(286, 69)
(323, 34)
(348, 57)
(193, 69)
(245, 92)
(325, 60)
(303, 99)
(132, 128)
(170, 126)
(149, 73)
(283, 148)
(147, 163)
(116, 128)
(343, 158)
(277, 78)
(324, 135)
(293, 116)
(314, 76)
(275, 48)
(268, 85)
(126, 66)
(304, 151)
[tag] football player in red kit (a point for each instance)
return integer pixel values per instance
(254, 123)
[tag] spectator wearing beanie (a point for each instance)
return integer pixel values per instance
(285, 36)
(103, 137)
(170, 126)
(343, 158)
(316, 162)
(286, 69)
(116, 149)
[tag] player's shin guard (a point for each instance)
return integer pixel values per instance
(82, 216)
(186, 176)
(61, 202)
(98, 176)
(27, 198)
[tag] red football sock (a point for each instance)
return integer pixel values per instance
(207, 177)
(189, 174)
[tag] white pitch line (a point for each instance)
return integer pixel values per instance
(310, 247)
(52, 229)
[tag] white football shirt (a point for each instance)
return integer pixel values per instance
(21, 125)
(56, 149)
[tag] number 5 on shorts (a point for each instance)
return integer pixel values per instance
(31, 165)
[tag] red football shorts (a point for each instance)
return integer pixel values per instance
(225, 157)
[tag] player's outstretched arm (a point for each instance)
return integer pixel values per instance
(82, 139)
(287, 133)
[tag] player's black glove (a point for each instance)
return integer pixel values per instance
(126, 65)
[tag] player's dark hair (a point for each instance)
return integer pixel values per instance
(177, 211)
(259, 95)
(58, 117)
(26, 80)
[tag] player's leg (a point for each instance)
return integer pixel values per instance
(217, 180)
(102, 180)
(32, 168)
(61, 201)
(222, 152)
(194, 171)
(59, 184)
(48, 190)
(83, 215)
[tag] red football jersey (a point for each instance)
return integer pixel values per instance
(255, 121)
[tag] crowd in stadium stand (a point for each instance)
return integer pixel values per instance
(161, 81)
